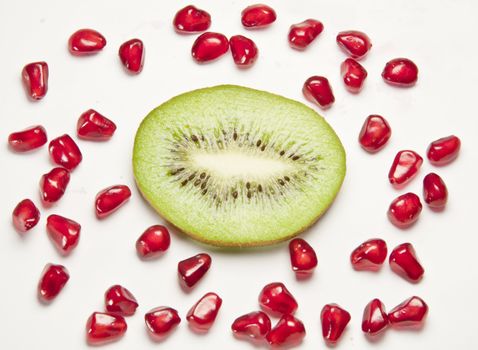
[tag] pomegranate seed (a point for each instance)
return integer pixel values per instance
(191, 270)
(131, 54)
(35, 79)
(64, 233)
(303, 33)
(375, 133)
(120, 300)
(95, 127)
(400, 72)
(110, 199)
(65, 152)
(409, 314)
(375, 319)
(289, 331)
(353, 75)
(161, 321)
(190, 19)
(53, 185)
(28, 139)
(105, 327)
(258, 16)
(25, 216)
(209, 46)
(153, 242)
(404, 262)
(404, 210)
(444, 150)
(354, 43)
(86, 42)
(317, 90)
(334, 320)
(254, 325)
(244, 51)
(302, 257)
(435, 192)
(276, 299)
(52, 281)
(404, 167)
(370, 255)
(203, 314)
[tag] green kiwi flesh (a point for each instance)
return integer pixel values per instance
(236, 167)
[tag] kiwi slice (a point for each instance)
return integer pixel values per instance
(233, 166)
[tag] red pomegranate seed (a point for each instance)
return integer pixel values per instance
(53, 185)
(409, 314)
(375, 133)
(105, 327)
(276, 299)
(65, 152)
(111, 199)
(25, 216)
(209, 46)
(400, 72)
(190, 19)
(444, 150)
(354, 43)
(302, 257)
(85, 42)
(405, 210)
(52, 281)
(303, 33)
(161, 321)
(370, 255)
(334, 320)
(153, 242)
(353, 75)
(64, 233)
(28, 139)
(120, 300)
(244, 51)
(404, 167)
(317, 90)
(289, 331)
(35, 79)
(375, 319)
(131, 54)
(191, 270)
(435, 192)
(202, 315)
(94, 127)
(258, 16)
(255, 325)
(403, 261)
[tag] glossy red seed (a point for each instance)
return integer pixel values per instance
(400, 72)
(119, 300)
(131, 54)
(302, 257)
(317, 90)
(25, 216)
(191, 270)
(154, 241)
(354, 43)
(190, 19)
(375, 133)
(161, 321)
(435, 192)
(276, 299)
(28, 139)
(111, 199)
(65, 152)
(258, 16)
(444, 150)
(303, 33)
(52, 281)
(405, 210)
(370, 255)
(94, 126)
(64, 233)
(404, 168)
(244, 51)
(289, 331)
(403, 261)
(86, 42)
(105, 327)
(209, 46)
(35, 79)
(334, 320)
(375, 319)
(202, 315)
(53, 185)
(255, 325)
(409, 314)
(353, 75)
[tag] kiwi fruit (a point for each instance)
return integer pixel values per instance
(236, 167)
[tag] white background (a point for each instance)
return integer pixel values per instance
(438, 35)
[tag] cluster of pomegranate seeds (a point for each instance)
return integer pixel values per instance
(35, 79)
(375, 133)
(53, 185)
(131, 54)
(435, 192)
(52, 281)
(94, 126)
(404, 262)
(375, 318)
(64, 233)
(404, 167)
(258, 16)
(209, 46)
(444, 150)
(317, 90)
(28, 139)
(191, 20)
(276, 299)
(191, 270)
(105, 327)
(353, 75)
(400, 72)
(161, 321)
(25, 216)
(244, 51)
(86, 42)
(202, 315)
(255, 325)
(120, 300)
(65, 152)
(405, 210)
(302, 257)
(153, 242)
(354, 43)
(334, 319)
(303, 33)
(370, 255)
(288, 331)
(111, 199)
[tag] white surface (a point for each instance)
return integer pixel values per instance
(437, 35)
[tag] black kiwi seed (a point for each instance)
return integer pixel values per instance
(203, 175)
(203, 185)
(234, 136)
(204, 192)
(286, 178)
(263, 148)
(197, 182)
(248, 185)
(282, 153)
(191, 176)
(259, 188)
(258, 143)
(295, 157)
(184, 183)
(281, 182)
(234, 194)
